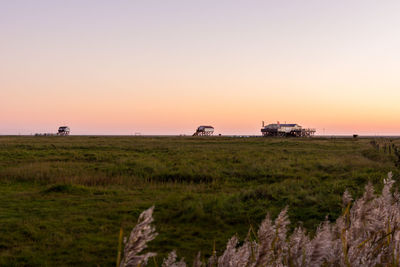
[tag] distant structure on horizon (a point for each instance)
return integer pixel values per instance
(204, 131)
(286, 130)
(63, 130)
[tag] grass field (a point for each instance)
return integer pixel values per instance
(64, 199)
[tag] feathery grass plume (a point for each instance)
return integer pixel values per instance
(225, 260)
(300, 249)
(197, 261)
(265, 235)
(246, 254)
(212, 261)
(281, 224)
(346, 198)
(235, 256)
(321, 245)
(170, 261)
(373, 222)
(142, 233)
(388, 183)
(272, 240)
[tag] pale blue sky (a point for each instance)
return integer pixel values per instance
(164, 67)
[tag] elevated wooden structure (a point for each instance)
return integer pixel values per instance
(63, 130)
(204, 131)
(286, 130)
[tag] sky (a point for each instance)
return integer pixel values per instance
(166, 67)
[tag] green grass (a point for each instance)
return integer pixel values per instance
(64, 199)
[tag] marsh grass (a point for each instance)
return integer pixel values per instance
(64, 200)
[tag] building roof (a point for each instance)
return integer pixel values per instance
(282, 125)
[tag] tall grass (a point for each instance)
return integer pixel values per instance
(366, 234)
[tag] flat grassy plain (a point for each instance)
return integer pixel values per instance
(63, 200)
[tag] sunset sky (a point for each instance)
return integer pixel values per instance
(166, 67)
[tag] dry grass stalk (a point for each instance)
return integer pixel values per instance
(170, 261)
(197, 261)
(142, 233)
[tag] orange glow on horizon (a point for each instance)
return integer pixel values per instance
(167, 68)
